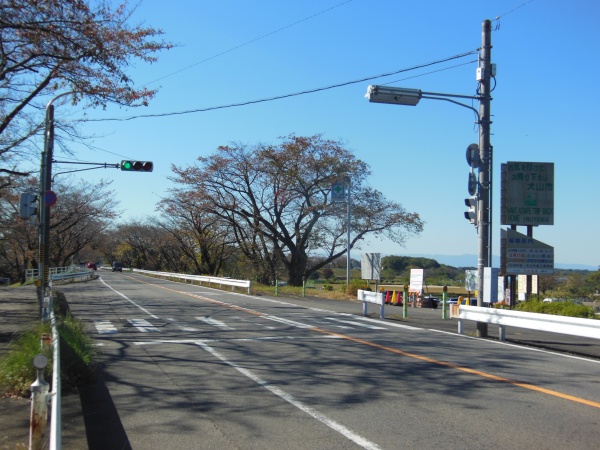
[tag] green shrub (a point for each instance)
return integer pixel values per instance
(356, 284)
(76, 353)
(569, 309)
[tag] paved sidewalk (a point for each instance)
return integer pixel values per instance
(19, 313)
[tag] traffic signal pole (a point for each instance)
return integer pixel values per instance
(485, 173)
(45, 180)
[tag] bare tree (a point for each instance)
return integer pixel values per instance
(52, 47)
(276, 199)
(203, 238)
(82, 213)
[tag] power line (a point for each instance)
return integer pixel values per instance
(279, 97)
(249, 42)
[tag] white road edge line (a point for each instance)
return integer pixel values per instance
(339, 428)
(129, 300)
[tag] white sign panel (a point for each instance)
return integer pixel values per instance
(527, 256)
(416, 280)
(370, 266)
(471, 280)
(490, 284)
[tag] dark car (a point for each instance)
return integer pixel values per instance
(430, 302)
(91, 265)
(117, 266)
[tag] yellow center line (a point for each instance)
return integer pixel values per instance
(468, 370)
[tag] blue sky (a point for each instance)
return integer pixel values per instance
(544, 102)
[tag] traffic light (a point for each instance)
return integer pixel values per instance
(27, 206)
(137, 166)
(472, 215)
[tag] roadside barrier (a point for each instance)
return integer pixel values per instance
(372, 297)
(573, 326)
(201, 279)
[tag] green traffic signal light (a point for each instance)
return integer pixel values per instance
(137, 166)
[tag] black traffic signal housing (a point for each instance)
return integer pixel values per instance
(27, 205)
(137, 166)
(472, 214)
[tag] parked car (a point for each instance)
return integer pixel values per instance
(117, 267)
(430, 302)
(452, 301)
(91, 265)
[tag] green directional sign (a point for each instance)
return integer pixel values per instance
(338, 192)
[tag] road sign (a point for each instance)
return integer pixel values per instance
(472, 186)
(50, 198)
(527, 196)
(527, 256)
(338, 192)
(473, 157)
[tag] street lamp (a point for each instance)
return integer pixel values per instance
(411, 97)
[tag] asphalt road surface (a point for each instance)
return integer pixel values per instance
(191, 367)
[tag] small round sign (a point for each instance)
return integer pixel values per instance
(473, 156)
(50, 198)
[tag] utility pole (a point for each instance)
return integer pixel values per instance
(45, 186)
(45, 181)
(484, 76)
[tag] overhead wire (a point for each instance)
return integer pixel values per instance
(250, 41)
(283, 96)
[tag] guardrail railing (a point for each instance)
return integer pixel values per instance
(247, 284)
(574, 326)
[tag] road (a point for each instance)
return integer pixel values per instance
(192, 367)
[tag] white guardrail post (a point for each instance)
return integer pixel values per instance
(573, 326)
(372, 297)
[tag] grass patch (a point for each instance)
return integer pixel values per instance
(76, 355)
(16, 368)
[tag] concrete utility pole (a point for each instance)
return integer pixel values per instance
(45, 186)
(485, 173)
(45, 181)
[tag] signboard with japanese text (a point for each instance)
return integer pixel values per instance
(416, 280)
(527, 256)
(527, 193)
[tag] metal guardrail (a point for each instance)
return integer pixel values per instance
(573, 326)
(72, 275)
(56, 393)
(32, 274)
(201, 279)
(40, 397)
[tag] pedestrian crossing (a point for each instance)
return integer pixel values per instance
(207, 324)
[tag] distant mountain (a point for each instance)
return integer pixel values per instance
(471, 261)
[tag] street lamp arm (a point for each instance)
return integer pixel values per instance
(456, 103)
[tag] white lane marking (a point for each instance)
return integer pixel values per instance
(144, 326)
(338, 427)
(263, 338)
(387, 324)
(128, 299)
(105, 327)
(182, 327)
(215, 322)
(358, 324)
(288, 322)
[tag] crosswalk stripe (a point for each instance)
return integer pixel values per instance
(215, 322)
(105, 327)
(143, 325)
